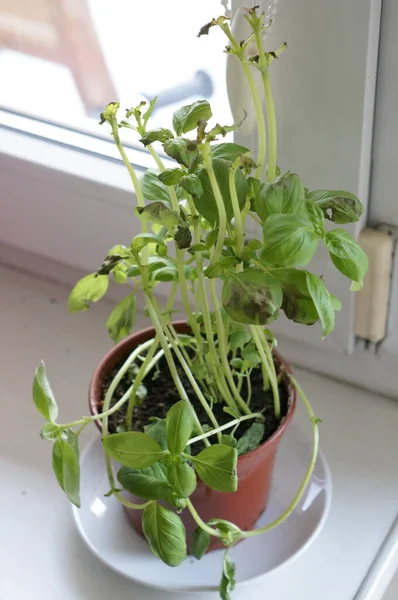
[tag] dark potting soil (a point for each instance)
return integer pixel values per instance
(162, 394)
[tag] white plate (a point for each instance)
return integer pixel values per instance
(106, 531)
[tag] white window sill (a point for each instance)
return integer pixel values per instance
(358, 437)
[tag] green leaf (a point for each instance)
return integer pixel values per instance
(157, 431)
(228, 439)
(149, 483)
(297, 303)
(254, 185)
(168, 273)
(228, 151)
(89, 289)
(183, 238)
(322, 301)
(211, 238)
(216, 467)
(160, 134)
(150, 110)
(72, 439)
(347, 256)
(230, 533)
(206, 204)
(237, 363)
(183, 150)
(214, 271)
(251, 356)
(315, 215)
(159, 213)
(67, 469)
(288, 240)
(152, 188)
(165, 533)
(43, 396)
(179, 422)
(224, 129)
(252, 297)
(122, 318)
(282, 196)
(171, 176)
(250, 250)
(227, 584)
(336, 303)
(230, 411)
(132, 449)
(192, 184)
(182, 479)
(143, 239)
(119, 275)
(251, 439)
(239, 339)
(186, 118)
(50, 432)
(178, 503)
(200, 542)
(337, 206)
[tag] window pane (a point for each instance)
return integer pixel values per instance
(63, 60)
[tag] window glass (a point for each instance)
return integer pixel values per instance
(61, 61)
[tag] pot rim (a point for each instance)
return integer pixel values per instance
(127, 345)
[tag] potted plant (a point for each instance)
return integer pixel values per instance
(193, 411)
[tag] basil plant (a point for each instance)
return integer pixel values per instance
(193, 216)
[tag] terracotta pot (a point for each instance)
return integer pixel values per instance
(254, 469)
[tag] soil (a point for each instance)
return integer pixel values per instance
(162, 394)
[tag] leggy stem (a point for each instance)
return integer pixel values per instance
(228, 425)
(307, 477)
(107, 412)
(269, 104)
(117, 494)
(223, 349)
(236, 208)
(266, 359)
(164, 341)
(137, 189)
(222, 215)
(138, 379)
(199, 521)
(262, 133)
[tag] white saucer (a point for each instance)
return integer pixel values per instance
(106, 531)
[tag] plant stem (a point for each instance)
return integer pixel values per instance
(156, 158)
(271, 174)
(132, 173)
(222, 215)
(198, 438)
(138, 193)
(169, 357)
(179, 256)
(191, 378)
(199, 521)
(144, 369)
(107, 412)
(213, 360)
(262, 132)
(267, 359)
(223, 350)
(236, 208)
(249, 388)
(307, 477)
(118, 495)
